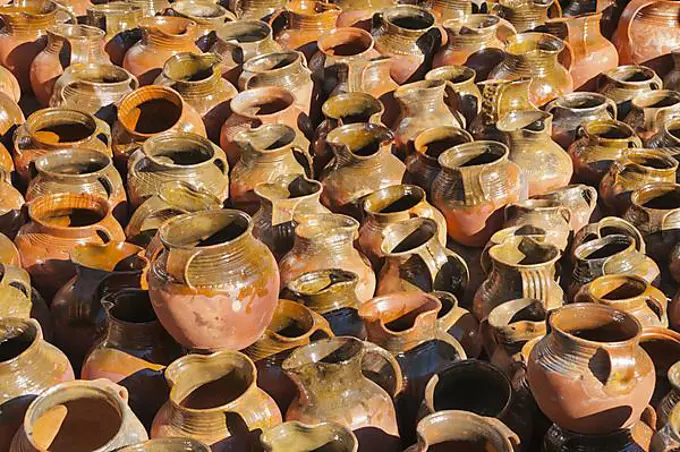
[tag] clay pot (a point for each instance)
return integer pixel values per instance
(528, 230)
(623, 83)
(262, 106)
(363, 164)
(9, 255)
(672, 79)
(615, 376)
(535, 55)
(632, 439)
(12, 216)
(11, 117)
(667, 137)
(149, 111)
(209, 17)
(671, 399)
(650, 110)
(198, 80)
(84, 415)
(205, 391)
(459, 323)
(294, 436)
(52, 129)
(548, 215)
(119, 21)
(267, 153)
(255, 9)
(576, 109)
(326, 241)
(338, 362)
(600, 143)
(133, 352)
(498, 183)
(282, 203)
(20, 301)
(527, 15)
(589, 52)
(416, 260)
(150, 8)
(300, 23)
(79, 170)
(663, 346)
(331, 293)
(409, 35)
(463, 429)
(388, 206)
(94, 88)
(292, 326)
(668, 437)
(462, 95)
(177, 156)
(476, 41)
(422, 165)
(28, 367)
(581, 201)
(168, 445)
(58, 222)
(544, 163)
(74, 44)
(359, 13)
(162, 37)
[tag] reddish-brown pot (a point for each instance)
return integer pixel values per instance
(120, 23)
(359, 13)
(304, 22)
(623, 83)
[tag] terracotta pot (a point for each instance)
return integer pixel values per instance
(409, 35)
(391, 205)
(588, 51)
(527, 15)
(326, 241)
(574, 110)
(548, 215)
(198, 80)
(52, 129)
(79, 170)
(462, 95)
(605, 227)
(150, 8)
(498, 184)
(359, 13)
(282, 203)
(58, 222)
(331, 293)
(28, 367)
(463, 429)
(94, 88)
(168, 445)
(422, 165)
(459, 323)
(255, 9)
(209, 17)
(543, 162)
(363, 164)
(75, 44)
(54, 417)
(535, 55)
(133, 352)
(581, 200)
(149, 111)
(119, 21)
(416, 260)
(9, 255)
(474, 40)
(162, 37)
(671, 399)
(672, 79)
(262, 106)
(11, 117)
(294, 436)
(623, 83)
(600, 143)
(326, 363)
(600, 345)
(177, 156)
(204, 391)
(12, 216)
(663, 346)
(267, 153)
(292, 326)
(635, 438)
(19, 300)
(527, 230)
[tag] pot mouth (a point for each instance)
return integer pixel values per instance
(291, 322)
(363, 140)
(205, 230)
(409, 18)
(581, 101)
(452, 74)
(187, 197)
(61, 127)
(631, 74)
(150, 110)
(399, 313)
(199, 9)
(316, 225)
(345, 42)
(672, 128)
(432, 142)
(420, 85)
(130, 307)
(474, 154)
(538, 205)
(169, 25)
(609, 129)
(520, 310)
(523, 43)
(288, 187)
(337, 352)
(178, 150)
(245, 31)
(453, 426)
(447, 300)
(320, 281)
(73, 163)
(167, 445)
(17, 337)
(469, 23)
(652, 159)
(406, 236)
(394, 199)
(114, 8)
(659, 196)
(274, 62)
(262, 102)
(656, 99)
(351, 108)
(110, 257)
(81, 32)
(101, 73)
(618, 287)
(296, 436)
(524, 252)
(68, 210)
(530, 121)
(268, 138)
(595, 324)
(603, 248)
(189, 67)
(674, 378)
(38, 8)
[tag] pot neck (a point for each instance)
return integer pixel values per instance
(312, 20)
(422, 98)
(23, 24)
(83, 49)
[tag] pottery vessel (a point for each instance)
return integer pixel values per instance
(632, 439)
(12, 215)
(168, 445)
(527, 230)
(667, 438)
(581, 200)
(209, 17)
(9, 85)
(150, 8)
(459, 323)
(667, 137)
(359, 13)
(663, 346)
(9, 255)
(11, 117)
(120, 23)
(551, 216)
(672, 79)
(255, 9)
(300, 23)
(19, 300)
(576, 109)
(671, 399)
(526, 15)
(462, 94)
(623, 83)
(294, 436)
(650, 110)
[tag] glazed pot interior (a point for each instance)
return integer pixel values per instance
(291, 321)
(180, 150)
(131, 306)
(187, 67)
(515, 311)
(336, 351)
(262, 101)
(449, 431)
(631, 74)
(595, 323)
(394, 199)
(269, 137)
(205, 229)
(408, 235)
(362, 140)
(652, 161)
(111, 257)
(433, 142)
(245, 31)
(58, 126)
(617, 287)
(177, 26)
(610, 130)
(453, 74)
(603, 248)
(68, 210)
(524, 43)
(324, 437)
(656, 99)
(199, 9)
(16, 337)
(272, 61)
(581, 101)
(448, 301)
(317, 282)
(523, 251)
(345, 42)
(316, 227)
(73, 162)
(102, 73)
(473, 154)
(299, 187)
(150, 110)
(399, 312)
(410, 18)
(352, 108)
(658, 198)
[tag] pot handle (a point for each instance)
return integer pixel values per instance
(505, 29)
(619, 365)
(392, 385)
(177, 265)
(113, 388)
(505, 430)
(221, 163)
(104, 233)
(103, 132)
(71, 17)
(279, 15)
(611, 107)
(648, 416)
(658, 302)
(15, 276)
(590, 195)
(621, 36)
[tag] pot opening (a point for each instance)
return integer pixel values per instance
(189, 68)
(103, 74)
(60, 126)
(534, 312)
(651, 161)
(602, 248)
(150, 110)
(473, 154)
(524, 43)
(291, 324)
(316, 282)
(132, 306)
(412, 20)
(448, 301)
(245, 31)
(199, 10)
(352, 108)
(620, 289)
(68, 210)
(404, 321)
(178, 150)
(632, 74)
(453, 74)
(73, 162)
(673, 128)
(581, 101)
(523, 251)
(610, 132)
(345, 42)
(595, 323)
(433, 142)
(340, 353)
(15, 338)
(656, 99)
(76, 31)
(666, 200)
(262, 101)
(394, 199)
(224, 384)
(408, 235)
(271, 61)
(177, 26)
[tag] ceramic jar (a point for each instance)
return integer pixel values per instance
(19, 300)
(150, 8)
(51, 129)
(576, 109)
(408, 34)
(9, 255)
(544, 164)
(85, 415)
(94, 88)
(592, 353)
(11, 117)
(476, 41)
(338, 362)
(667, 137)
(177, 156)
(301, 23)
(600, 143)
(133, 352)
(581, 200)
(671, 399)
(526, 15)
(119, 22)
(462, 95)
(459, 323)
(500, 236)
(12, 216)
(477, 180)
(623, 83)
(672, 79)
(255, 9)
(326, 241)
(551, 216)
(535, 55)
(9, 85)
(198, 80)
(204, 390)
(162, 37)
(416, 260)
(363, 164)
(75, 44)
(634, 438)
(359, 13)
(294, 436)
(29, 366)
(201, 252)
(209, 17)
(663, 346)
(168, 445)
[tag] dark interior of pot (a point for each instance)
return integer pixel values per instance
(68, 210)
(132, 306)
(245, 31)
(218, 392)
(596, 323)
(14, 340)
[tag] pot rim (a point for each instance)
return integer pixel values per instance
(652, 191)
(166, 229)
